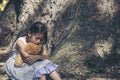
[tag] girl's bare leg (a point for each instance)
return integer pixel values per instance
(55, 76)
(42, 77)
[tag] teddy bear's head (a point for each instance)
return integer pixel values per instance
(32, 48)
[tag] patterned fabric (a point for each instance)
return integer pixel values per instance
(26, 71)
(45, 70)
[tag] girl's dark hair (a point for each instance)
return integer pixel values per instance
(39, 27)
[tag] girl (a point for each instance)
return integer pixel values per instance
(36, 67)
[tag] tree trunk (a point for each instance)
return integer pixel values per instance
(79, 32)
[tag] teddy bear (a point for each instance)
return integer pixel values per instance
(31, 49)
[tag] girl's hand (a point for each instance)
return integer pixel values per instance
(31, 59)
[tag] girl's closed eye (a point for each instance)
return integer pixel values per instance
(40, 39)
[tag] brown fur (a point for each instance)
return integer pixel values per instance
(31, 49)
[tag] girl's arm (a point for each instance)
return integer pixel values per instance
(44, 54)
(33, 58)
(21, 47)
(30, 58)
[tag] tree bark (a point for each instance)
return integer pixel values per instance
(77, 30)
(7, 27)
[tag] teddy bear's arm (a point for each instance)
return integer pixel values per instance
(18, 60)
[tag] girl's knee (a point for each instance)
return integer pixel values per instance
(42, 77)
(55, 76)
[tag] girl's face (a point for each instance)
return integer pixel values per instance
(37, 38)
